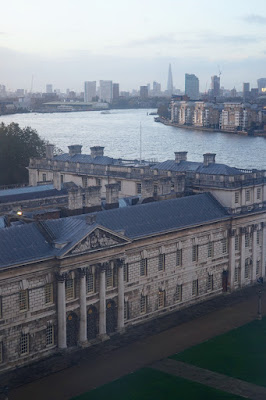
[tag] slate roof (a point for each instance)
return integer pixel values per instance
(86, 159)
(33, 192)
(34, 241)
(191, 166)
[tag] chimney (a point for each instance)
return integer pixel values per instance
(147, 188)
(180, 156)
(74, 149)
(97, 151)
(112, 195)
(208, 158)
(49, 151)
(75, 199)
(57, 180)
(93, 196)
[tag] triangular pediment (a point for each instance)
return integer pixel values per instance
(99, 238)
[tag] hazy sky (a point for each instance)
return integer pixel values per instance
(65, 42)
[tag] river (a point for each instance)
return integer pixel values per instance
(119, 133)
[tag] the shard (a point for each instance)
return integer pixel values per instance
(170, 81)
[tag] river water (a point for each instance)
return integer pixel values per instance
(119, 132)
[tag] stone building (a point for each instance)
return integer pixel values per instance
(75, 281)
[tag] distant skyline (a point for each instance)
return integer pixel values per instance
(131, 42)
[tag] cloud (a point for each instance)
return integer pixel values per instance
(255, 19)
(154, 40)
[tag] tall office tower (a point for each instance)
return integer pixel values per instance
(143, 92)
(106, 91)
(49, 88)
(215, 86)
(115, 91)
(262, 85)
(170, 87)
(246, 90)
(89, 90)
(156, 89)
(192, 86)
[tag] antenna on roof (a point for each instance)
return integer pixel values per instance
(140, 144)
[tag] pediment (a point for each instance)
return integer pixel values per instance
(99, 238)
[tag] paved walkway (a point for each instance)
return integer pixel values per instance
(104, 368)
(212, 379)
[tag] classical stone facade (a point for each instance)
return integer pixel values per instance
(76, 281)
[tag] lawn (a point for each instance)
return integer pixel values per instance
(240, 353)
(149, 384)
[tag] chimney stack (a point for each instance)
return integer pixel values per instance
(180, 156)
(208, 158)
(97, 151)
(112, 195)
(49, 151)
(74, 149)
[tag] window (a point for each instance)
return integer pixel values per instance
(138, 188)
(237, 274)
(90, 282)
(24, 343)
(236, 242)
(155, 189)
(258, 268)
(224, 245)
(23, 300)
(126, 308)
(1, 308)
(49, 335)
(84, 181)
(161, 264)
(195, 252)
(210, 249)
(258, 237)
(179, 257)
(143, 304)
(49, 293)
(98, 182)
(70, 290)
(210, 282)
(195, 287)
(179, 293)
(44, 177)
(247, 268)
(236, 197)
(161, 298)
(247, 195)
(62, 178)
(125, 272)
(143, 267)
(247, 239)
(1, 352)
(259, 194)
(109, 277)
(119, 185)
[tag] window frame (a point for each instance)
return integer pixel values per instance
(70, 290)
(161, 262)
(24, 293)
(179, 257)
(195, 287)
(49, 293)
(49, 335)
(24, 344)
(143, 267)
(143, 304)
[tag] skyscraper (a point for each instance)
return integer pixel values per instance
(192, 86)
(246, 90)
(262, 85)
(143, 92)
(170, 87)
(89, 90)
(215, 86)
(115, 90)
(106, 91)
(49, 88)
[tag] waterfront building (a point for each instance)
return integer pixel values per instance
(239, 116)
(115, 91)
(192, 86)
(106, 91)
(215, 86)
(170, 86)
(49, 88)
(89, 91)
(261, 85)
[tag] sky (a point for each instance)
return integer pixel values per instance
(131, 42)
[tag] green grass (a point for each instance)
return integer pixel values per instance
(241, 353)
(149, 384)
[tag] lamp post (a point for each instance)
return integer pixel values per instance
(259, 317)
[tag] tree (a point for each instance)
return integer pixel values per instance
(163, 111)
(17, 145)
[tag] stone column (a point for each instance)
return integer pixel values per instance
(83, 310)
(102, 295)
(242, 257)
(121, 299)
(263, 249)
(232, 258)
(254, 253)
(61, 310)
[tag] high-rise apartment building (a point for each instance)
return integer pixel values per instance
(262, 85)
(89, 90)
(170, 86)
(156, 89)
(115, 91)
(215, 86)
(49, 88)
(106, 91)
(192, 86)
(143, 92)
(246, 90)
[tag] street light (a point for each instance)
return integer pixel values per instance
(259, 316)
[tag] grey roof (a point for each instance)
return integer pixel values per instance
(25, 190)
(35, 241)
(191, 166)
(31, 195)
(86, 159)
